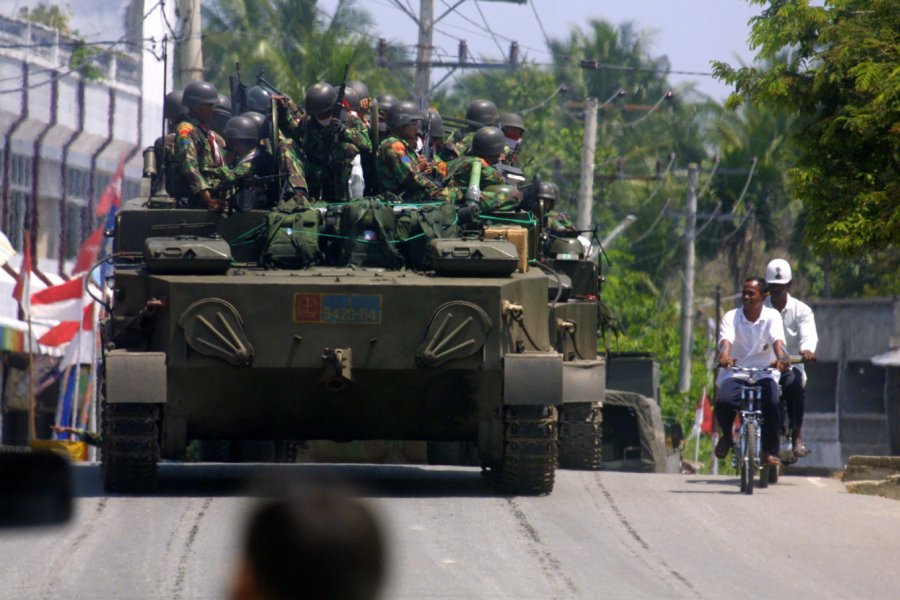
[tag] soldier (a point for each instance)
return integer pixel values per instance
(385, 102)
(330, 144)
(164, 147)
(289, 156)
(398, 163)
(200, 164)
(555, 221)
(487, 146)
(513, 127)
(480, 113)
(221, 114)
(249, 161)
(363, 95)
(431, 138)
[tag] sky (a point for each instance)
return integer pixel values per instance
(690, 32)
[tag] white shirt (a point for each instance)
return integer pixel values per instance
(799, 328)
(752, 342)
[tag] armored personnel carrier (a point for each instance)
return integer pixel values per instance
(480, 345)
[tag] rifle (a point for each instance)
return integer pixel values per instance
(428, 145)
(238, 91)
(336, 114)
(261, 81)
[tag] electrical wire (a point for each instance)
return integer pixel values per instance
(659, 217)
(488, 27)
(537, 18)
(653, 109)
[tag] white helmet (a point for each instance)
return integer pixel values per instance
(778, 271)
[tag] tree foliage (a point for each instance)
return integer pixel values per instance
(842, 82)
(295, 43)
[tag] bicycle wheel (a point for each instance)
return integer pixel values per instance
(748, 458)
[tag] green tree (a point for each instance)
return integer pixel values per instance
(842, 82)
(82, 55)
(295, 43)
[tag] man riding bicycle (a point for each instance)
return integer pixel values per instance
(800, 338)
(751, 336)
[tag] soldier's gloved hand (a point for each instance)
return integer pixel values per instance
(337, 126)
(468, 213)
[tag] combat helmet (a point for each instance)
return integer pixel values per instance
(197, 93)
(403, 113)
(320, 98)
(435, 123)
(510, 119)
(259, 99)
(482, 111)
(503, 194)
(262, 124)
(361, 89)
(241, 128)
(351, 99)
(172, 108)
(488, 142)
(549, 193)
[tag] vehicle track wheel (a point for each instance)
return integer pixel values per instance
(130, 446)
(580, 436)
(530, 450)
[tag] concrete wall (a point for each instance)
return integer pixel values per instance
(853, 406)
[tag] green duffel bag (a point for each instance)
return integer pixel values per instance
(367, 227)
(292, 237)
(427, 223)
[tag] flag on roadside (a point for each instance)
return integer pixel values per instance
(66, 330)
(22, 290)
(112, 194)
(63, 302)
(6, 249)
(89, 251)
(703, 417)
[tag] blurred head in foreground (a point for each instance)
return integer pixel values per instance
(323, 544)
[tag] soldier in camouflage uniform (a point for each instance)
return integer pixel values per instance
(221, 114)
(249, 162)
(164, 147)
(199, 151)
(400, 167)
(435, 151)
(487, 146)
(556, 222)
(479, 113)
(329, 144)
(513, 127)
(287, 155)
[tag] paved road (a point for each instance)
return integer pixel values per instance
(599, 535)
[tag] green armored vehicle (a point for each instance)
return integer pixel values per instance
(476, 345)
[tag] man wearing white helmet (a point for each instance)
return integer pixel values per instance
(801, 337)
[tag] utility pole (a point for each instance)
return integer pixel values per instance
(687, 297)
(423, 55)
(586, 189)
(191, 47)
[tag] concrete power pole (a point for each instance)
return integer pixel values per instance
(190, 52)
(423, 56)
(586, 190)
(687, 297)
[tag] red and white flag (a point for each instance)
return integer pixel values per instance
(89, 251)
(112, 195)
(64, 302)
(703, 417)
(22, 290)
(66, 330)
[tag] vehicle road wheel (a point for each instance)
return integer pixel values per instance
(773, 474)
(530, 450)
(580, 436)
(748, 463)
(130, 446)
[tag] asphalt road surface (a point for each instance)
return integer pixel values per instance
(599, 535)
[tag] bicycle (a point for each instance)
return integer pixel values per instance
(747, 457)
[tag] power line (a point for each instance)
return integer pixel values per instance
(488, 27)
(537, 18)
